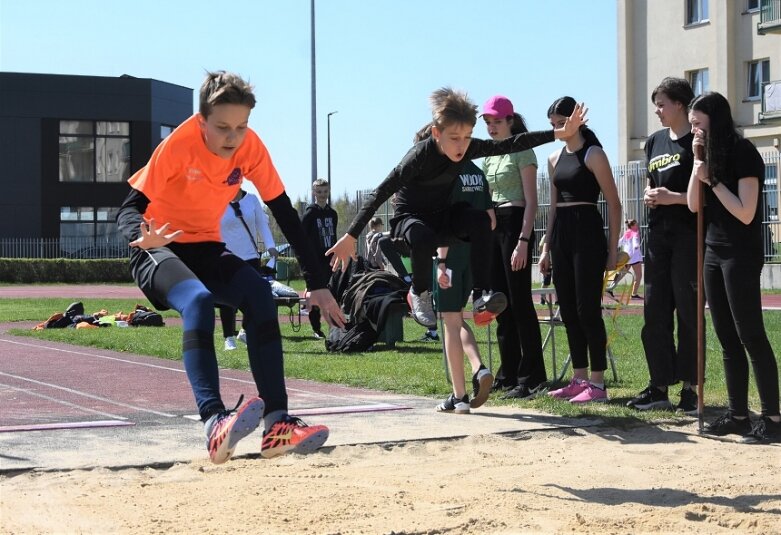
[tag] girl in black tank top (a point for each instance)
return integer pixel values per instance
(580, 252)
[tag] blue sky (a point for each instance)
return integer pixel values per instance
(377, 62)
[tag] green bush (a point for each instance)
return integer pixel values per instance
(32, 270)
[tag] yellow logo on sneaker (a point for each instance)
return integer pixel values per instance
(283, 436)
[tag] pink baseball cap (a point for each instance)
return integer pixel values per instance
(498, 106)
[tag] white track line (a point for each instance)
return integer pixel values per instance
(90, 396)
(159, 367)
(62, 402)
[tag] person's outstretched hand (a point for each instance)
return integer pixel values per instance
(329, 308)
(342, 251)
(152, 237)
(574, 122)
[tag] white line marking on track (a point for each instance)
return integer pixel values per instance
(300, 391)
(62, 402)
(90, 396)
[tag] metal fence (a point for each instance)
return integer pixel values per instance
(631, 181)
(78, 248)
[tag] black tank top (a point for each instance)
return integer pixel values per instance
(573, 180)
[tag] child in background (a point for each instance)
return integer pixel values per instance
(373, 237)
(243, 222)
(630, 243)
(319, 222)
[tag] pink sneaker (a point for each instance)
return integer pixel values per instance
(591, 393)
(575, 387)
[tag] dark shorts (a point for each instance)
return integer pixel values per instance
(157, 270)
(454, 299)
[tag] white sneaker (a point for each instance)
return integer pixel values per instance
(422, 308)
(242, 336)
(230, 343)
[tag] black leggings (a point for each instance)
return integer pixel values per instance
(734, 296)
(517, 329)
(579, 253)
(423, 236)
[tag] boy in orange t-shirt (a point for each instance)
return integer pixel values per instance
(172, 219)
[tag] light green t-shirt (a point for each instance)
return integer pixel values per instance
(504, 175)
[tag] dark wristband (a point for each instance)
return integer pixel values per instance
(441, 260)
(522, 238)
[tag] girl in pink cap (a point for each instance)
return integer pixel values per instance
(513, 181)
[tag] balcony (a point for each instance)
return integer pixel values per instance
(769, 17)
(771, 101)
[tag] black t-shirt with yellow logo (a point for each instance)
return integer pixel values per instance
(669, 164)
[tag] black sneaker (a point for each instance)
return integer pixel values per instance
(650, 398)
(318, 334)
(482, 381)
(524, 392)
(763, 431)
(688, 403)
(453, 404)
(726, 424)
(430, 336)
(500, 386)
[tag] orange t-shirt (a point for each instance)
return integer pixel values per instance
(189, 187)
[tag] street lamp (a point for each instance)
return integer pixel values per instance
(330, 185)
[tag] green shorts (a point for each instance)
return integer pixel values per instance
(454, 299)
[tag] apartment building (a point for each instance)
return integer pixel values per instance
(729, 46)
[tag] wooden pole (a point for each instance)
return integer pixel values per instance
(700, 305)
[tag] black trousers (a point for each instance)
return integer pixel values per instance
(424, 235)
(734, 296)
(670, 294)
(517, 329)
(227, 313)
(578, 250)
(314, 312)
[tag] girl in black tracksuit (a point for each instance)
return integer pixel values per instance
(733, 173)
(671, 255)
(578, 248)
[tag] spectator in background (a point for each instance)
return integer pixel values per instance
(733, 172)
(631, 244)
(513, 182)
(373, 237)
(669, 332)
(319, 222)
(243, 222)
(576, 241)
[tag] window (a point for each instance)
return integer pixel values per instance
(696, 11)
(94, 151)
(86, 226)
(752, 5)
(758, 74)
(165, 130)
(700, 81)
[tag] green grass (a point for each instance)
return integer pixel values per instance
(411, 368)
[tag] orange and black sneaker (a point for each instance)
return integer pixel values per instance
(290, 434)
(227, 427)
(483, 318)
(487, 306)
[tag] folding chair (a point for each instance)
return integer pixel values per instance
(554, 320)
